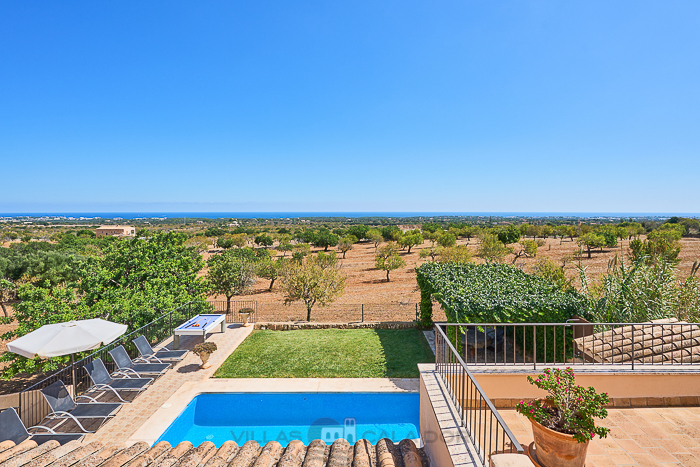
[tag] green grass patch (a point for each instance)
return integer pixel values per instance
(329, 353)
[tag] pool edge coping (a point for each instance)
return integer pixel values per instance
(164, 416)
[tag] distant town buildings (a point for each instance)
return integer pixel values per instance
(115, 231)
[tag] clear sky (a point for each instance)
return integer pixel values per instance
(350, 106)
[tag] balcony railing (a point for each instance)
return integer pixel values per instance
(577, 343)
(487, 430)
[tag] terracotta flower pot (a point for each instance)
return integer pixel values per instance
(556, 449)
(205, 358)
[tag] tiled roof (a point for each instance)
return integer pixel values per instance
(317, 454)
(645, 342)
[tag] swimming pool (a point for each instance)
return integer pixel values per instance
(284, 417)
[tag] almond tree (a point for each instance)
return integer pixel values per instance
(314, 281)
(387, 259)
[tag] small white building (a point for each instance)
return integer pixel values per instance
(115, 231)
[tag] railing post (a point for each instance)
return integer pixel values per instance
(632, 354)
(363, 312)
(534, 347)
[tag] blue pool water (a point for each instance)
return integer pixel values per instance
(284, 417)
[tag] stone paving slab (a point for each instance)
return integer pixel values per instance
(135, 414)
(663, 436)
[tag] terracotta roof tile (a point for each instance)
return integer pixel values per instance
(27, 456)
(251, 454)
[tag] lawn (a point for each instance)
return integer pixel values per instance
(329, 353)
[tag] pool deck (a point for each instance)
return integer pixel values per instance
(147, 417)
(132, 416)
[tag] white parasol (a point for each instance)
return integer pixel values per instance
(54, 340)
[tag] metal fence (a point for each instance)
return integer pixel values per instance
(487, 430)
(578, 342)
(232, 308)
(333, 313)
(33, 407)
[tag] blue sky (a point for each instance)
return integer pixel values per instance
(350, 106)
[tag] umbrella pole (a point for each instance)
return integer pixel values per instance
(72, 375)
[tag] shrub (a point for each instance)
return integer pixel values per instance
(473, 293)
(498, 293)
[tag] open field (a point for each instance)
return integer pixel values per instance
(329, 353)
(368, 285)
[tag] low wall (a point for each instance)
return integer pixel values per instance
(445, 441)
(629, 389)
(293, 326)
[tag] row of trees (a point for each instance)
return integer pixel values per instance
(313, 279)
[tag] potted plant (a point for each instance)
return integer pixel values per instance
(246, 312)
(204, 350)
(563, 422)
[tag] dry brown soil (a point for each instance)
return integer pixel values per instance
(368, 285)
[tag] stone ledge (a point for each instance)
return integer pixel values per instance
(617, 402)
(297, 325)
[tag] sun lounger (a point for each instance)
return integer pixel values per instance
(127, 367)
(14, 430)
(160, 356)
(63, 406)
(102, 380)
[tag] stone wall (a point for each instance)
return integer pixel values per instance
(295, 325)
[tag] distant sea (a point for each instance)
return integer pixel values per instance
(284, 215)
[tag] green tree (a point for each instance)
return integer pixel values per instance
(263, 240)
(411, 239)
(374, 236)
(270, 269)
(548, 269)
(509, 234)
(391, 233)
(214, 232)
(470, 231)
(455, 254)
(431, 252)
(224, 242)
(200, 244)
(300, 250)
(388, 259)
(358, 231)
(8, 291)
(312, 282)
(446, 240)
(324, 238)
(609, 233)
(284, 243)
(138, 279)
(345, 244)
(591, 241)
(431, 227)
(230, 275)
(491, 249)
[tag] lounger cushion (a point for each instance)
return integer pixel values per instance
(150, 368)
(171, 354)
(131, 383)
(95, 410)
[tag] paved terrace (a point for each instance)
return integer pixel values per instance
(664, 436)
(133, 415)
